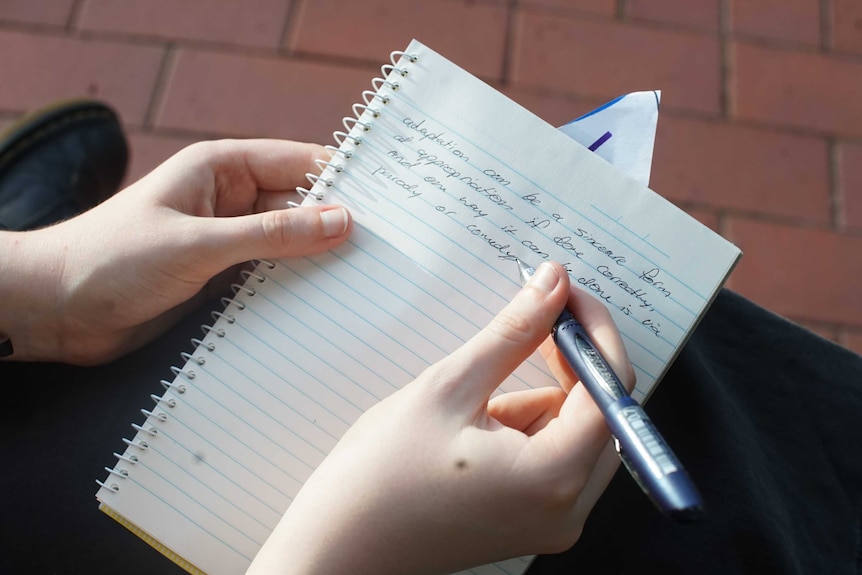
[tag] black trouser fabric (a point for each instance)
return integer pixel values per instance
(766, 416)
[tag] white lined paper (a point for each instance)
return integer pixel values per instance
(326, 337)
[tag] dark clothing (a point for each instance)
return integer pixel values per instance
(766, 416)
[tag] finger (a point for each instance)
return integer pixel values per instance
(569, 446)
(234, 172)
(561, 371)
(271, 164)
(271, 235)
(471, 373)
(597, 321)
(579, 434)
(528, 410)
(269, 200)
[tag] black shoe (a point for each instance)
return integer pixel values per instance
(58, 162)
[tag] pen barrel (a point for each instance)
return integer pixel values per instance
(642, 449)
(651, 461)
(583, 356)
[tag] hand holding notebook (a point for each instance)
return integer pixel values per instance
(106, 282)
(440, 476)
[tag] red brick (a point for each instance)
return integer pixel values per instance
(51, 12)
(246, 22)
(472, 35)
(48, 68)
(148, 150)
(852, 340)
(696, 14)
(599, 7)
(605, 60)
(797, 89)
(744, 169)
(555, 109)
(258, 96)
(825, 331)
(707, 217)
(850, 184)
(847, 25)
(788, 20)
(808, 274)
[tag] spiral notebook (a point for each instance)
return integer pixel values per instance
(448, 181)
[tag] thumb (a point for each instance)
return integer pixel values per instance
(481, 364)
(273, 234)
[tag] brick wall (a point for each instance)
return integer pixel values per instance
(760, 135)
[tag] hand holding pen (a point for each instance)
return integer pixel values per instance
(640, 446)
(446, 473)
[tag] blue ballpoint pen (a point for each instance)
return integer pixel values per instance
(641, 448)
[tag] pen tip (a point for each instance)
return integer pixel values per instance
(524, 270)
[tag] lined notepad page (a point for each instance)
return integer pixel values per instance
(450, 184)
(462, 180)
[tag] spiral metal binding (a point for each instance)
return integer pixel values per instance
(323, 164)
(151, 431)
(132, 459)
(314, 178)
(359, 109)
(305, 192)
(369, 96)
(378, 83)
(247, 274)
(117, 472)
(163, 417)
(342, 137)
(121, 473)
(387, 69)
(211, 346)
(333, 151)
(347, 141)
(208, 328)
(350, 122)
(171, 403)
(189, 357)
(173, 386)
(227, 317)
(270, 265)
(112, 487)
(354, 127)
(395, 56)
(142, 445)
(236, 288)
(187, 375)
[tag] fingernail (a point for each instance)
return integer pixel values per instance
(545, 278)
(334, 222)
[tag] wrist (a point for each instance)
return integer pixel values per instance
(29, 306)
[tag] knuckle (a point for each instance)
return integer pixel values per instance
(561, 540)
(436, 380)
(561, 494)
(514, 327)
(276, 229)
(560, 488)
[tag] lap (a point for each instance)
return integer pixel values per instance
(763, 413)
